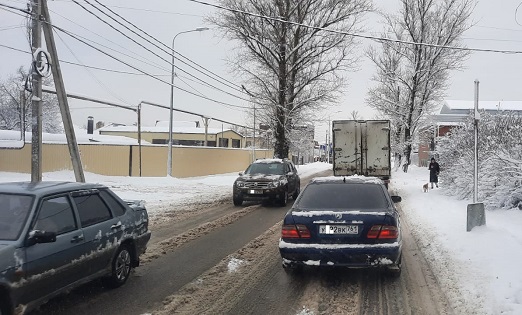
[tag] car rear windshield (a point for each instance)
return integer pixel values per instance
(14, 210)
(343, 196)
(265, 168)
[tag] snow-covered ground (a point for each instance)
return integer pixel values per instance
(478, 270)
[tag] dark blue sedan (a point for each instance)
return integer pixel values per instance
(343, 221)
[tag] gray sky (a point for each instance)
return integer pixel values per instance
(495, 28)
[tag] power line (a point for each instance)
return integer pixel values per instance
(104, 86)
(516, 13)
(155, 45)
(139, 44)
(86, 66)
(234, 86)
(142, 59)
(144, 72)
(376, 38)
(7, 28)
(14, 8)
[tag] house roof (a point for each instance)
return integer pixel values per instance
(487, 105)
(81, 137)
(453, 112)
(165, 129)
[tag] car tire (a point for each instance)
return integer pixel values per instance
(296, 192)
(121, 267)
(283, 199)
(238, 201)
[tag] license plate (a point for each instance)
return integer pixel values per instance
(255, 192)
(338, 229)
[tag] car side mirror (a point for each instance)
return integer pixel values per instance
(38, 236)
(240, 174)
(396, 199)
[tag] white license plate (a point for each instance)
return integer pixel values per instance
(255, 192)
(338, 229)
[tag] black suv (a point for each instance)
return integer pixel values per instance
(268, 179)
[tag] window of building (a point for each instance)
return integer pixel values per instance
(236, 143)
(160, 141)
(223, 142)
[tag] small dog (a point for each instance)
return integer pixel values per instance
(425, 187)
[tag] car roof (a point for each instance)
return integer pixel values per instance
(44, 188)
(269, 161)
(355, 179)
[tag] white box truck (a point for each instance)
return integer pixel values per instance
(362, 147)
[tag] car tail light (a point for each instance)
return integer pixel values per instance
(295, 231)
(383, 232)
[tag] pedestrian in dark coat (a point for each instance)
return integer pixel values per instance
(434, 173)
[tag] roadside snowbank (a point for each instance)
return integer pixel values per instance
(480, 270)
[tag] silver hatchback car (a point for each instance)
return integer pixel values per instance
(55, 236)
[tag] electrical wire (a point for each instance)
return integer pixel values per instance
(142, 71)
(234, 86)
(119, 31)
(165, 51)
(6, 7)
(8, 28)
(516, 13)
(141, 59)
(375, 38)
(86, 66)
(102, 85)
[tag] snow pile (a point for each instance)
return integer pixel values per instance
(478, 270)
(234, 264)
(305, 311)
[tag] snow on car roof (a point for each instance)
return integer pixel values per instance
(269, 161)
(353, 178)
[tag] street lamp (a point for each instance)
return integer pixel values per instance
(169, 156)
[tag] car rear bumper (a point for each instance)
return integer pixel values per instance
(346, 255)
(141, 242)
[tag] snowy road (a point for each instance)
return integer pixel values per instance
(224, 260)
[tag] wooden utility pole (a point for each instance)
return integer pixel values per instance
(36, 121)
(62, 95)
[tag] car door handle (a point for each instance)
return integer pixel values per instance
(77, 239)
(116, 226)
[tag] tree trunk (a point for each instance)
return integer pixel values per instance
(281, 145)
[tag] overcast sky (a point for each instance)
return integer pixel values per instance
(496, 27)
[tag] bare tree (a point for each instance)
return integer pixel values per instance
(290, 66)
(14, 97)
(412, 77)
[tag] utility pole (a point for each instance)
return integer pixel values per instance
(36, 100)
(62, 96)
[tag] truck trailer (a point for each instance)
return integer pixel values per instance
(362, 147)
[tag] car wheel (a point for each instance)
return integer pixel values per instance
(237, 201)
(121, 267)
(296, 193)
(283, 200)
